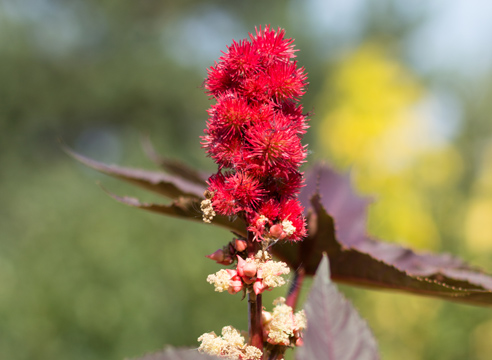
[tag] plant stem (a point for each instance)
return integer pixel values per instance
(255, 326)
(295, 288)
(276, 354)
(255, 306)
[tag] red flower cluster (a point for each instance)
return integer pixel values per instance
(254, 134)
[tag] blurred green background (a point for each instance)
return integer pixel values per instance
(401, 95)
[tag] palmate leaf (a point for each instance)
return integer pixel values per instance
(335, 330)
(336, 221)
(337, 226)
(184, 188)
(183, 207)
(171, 186)
(172, 166)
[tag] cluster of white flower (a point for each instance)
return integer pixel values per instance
(207, 210)
(221, 280)
(230, 345)
(288, 228)
(270, 272)
(282, 325)
(253, 274)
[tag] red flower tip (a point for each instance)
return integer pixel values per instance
(240, 245)
(272, 45)
(272, 149)
(218, 256)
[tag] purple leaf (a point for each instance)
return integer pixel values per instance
(185, 192)
(168, 185)
(335, 331)
(183, 207)
(336, 225)
(172, 166)
(177, 354)
(337, 220)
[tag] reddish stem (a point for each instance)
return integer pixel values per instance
(275, 352)
(254, 304)
(276, 355)
(255, 326)
(295, 288)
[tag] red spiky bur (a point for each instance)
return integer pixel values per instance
(254, 134)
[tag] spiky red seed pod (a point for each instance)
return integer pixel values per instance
(270, 209)
(292, 116)
(229, 116)
(272, 45)
(219, 79)
(226, 154)
(286, 81)
(247, 189)
(254, 131)
(242, 59)
(223, 201)
(275, 149)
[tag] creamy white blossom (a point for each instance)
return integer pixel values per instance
(288, 228)
(282, 325)
(229, 346)
(271, 272)
(221, 280)
(207, 210)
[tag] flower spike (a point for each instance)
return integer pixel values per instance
(254, 134)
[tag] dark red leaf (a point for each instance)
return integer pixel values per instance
(337, 226)
(168, 185)
(177, 354)
(174, 167)
(336, 221)
(183, 207)
(335, 331)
